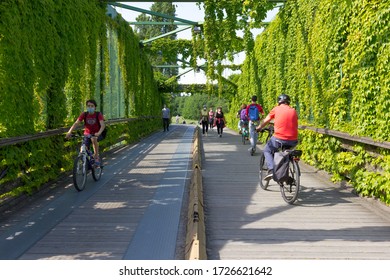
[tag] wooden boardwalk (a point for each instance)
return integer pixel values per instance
(138, 209)
(244, 221)
(133, 212)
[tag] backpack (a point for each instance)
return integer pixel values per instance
(104, 132)
(205, 115)
(281, 163)
(253, 113)
(243, 115)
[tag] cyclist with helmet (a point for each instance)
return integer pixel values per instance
(285, 130)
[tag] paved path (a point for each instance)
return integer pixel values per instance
(245, 222)
(133, 212)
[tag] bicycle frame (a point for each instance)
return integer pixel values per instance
(87, 155)
(82, 164)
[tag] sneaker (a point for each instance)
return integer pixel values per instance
(220, 135)
(96, 160)
(269, 175)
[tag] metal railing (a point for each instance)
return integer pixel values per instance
(53, 132)
(349, 138)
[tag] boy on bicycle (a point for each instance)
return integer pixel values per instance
(93, 126)
(253, 112)
(285, 130)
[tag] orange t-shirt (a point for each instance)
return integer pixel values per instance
(285, 122)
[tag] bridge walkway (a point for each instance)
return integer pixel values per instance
(138, 210)
(244, 221)
(132, 212)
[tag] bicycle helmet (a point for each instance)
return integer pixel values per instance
(284, 99)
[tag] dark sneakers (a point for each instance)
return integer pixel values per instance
(269, 175)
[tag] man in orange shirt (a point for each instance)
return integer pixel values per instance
(285, 130)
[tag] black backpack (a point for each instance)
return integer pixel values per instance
(104, 132)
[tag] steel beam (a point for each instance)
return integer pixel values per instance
(157, 23)
(165, 34)
(189, 22)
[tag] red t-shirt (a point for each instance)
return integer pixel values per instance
(91, 124)
(285, 122)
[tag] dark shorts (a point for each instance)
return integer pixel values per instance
(87, 140)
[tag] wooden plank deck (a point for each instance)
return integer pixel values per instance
(136, 206)
(133, 212)
(245, 222)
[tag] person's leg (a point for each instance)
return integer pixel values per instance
(252, 130)
(221, 124)
(270, 148)
(95, 145)
(255, 137)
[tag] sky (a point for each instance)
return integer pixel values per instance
(189, 11)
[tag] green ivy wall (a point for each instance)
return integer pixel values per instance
(54, 55)
(333, 58)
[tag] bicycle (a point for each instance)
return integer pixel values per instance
(244, 132)
(291, 187)
(82, 164)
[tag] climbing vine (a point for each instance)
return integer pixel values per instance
(332, 58)
(54, 55)
(223, 19)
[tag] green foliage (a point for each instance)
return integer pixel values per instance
(222, 20)
(54, 55)
(332, 58)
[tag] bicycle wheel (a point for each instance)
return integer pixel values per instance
(263, 172)
(97, 171)
(79, 173)
(243, 137)
(291, 188)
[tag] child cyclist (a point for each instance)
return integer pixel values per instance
(94, 126)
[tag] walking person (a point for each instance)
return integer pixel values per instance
(219, 121)
(253, 112)
(204, 119)
(166, 115)
(211, 118)
(285, 130)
